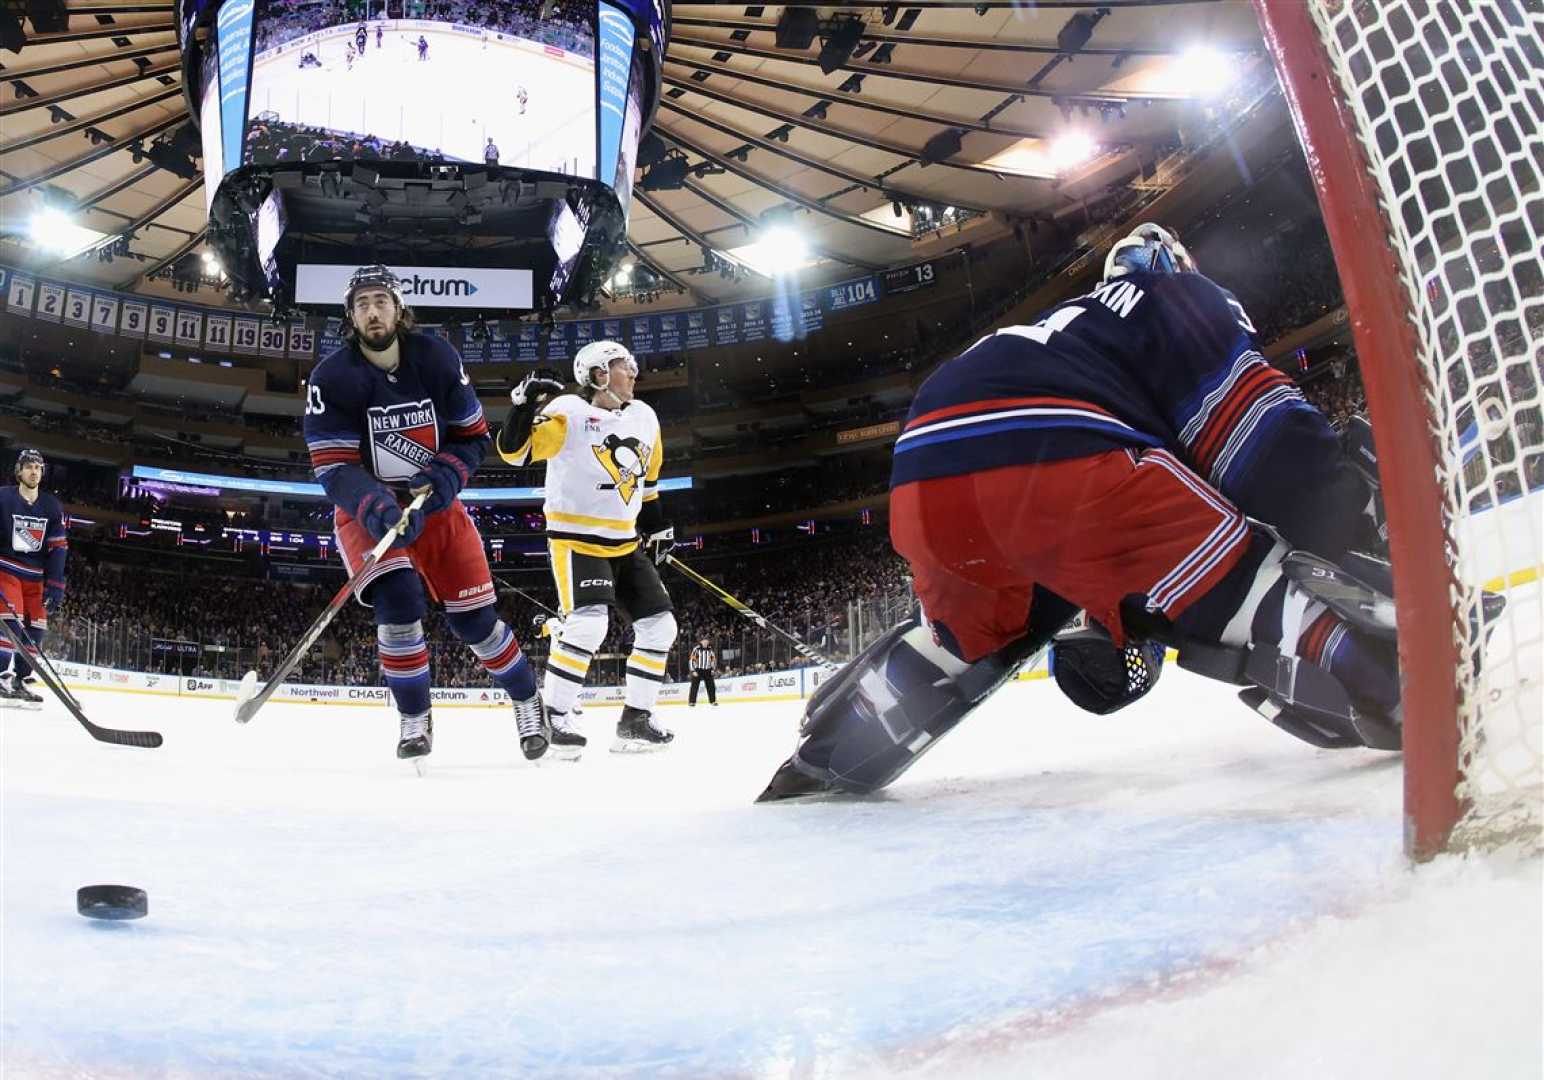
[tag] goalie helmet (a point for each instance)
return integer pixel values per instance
(374, 276)
(599, 354)
(28, 456)
(1148, 247)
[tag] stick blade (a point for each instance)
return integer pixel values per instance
(246, 695)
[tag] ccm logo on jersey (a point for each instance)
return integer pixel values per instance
(595, 583)
(403, 438)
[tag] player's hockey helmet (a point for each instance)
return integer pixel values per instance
(374, 276)
(1148, 247)
(28, 456)
(599, 354)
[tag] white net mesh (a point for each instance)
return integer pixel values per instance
(1449, 108)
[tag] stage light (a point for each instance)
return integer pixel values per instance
(1072, 148)
(52, 230)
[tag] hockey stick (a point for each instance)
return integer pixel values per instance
(38, 652)
(760, 620)
(507, 587)
(249, 698)
(147, 740)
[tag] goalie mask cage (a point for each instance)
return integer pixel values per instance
(1420, 120)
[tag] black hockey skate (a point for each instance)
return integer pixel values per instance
(789, 783)
(567, 743)
(531, 725)
(15, 693)
(417, 737)
(637, 731)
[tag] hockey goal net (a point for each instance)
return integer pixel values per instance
(1421, 121)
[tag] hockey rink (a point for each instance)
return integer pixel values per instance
(466, 92)
(1178, 889)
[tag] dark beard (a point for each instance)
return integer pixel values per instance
(379, 342)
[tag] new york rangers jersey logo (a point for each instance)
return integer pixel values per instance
(27, 533)
(403, 438)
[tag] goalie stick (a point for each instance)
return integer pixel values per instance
(249, 698)
(804, 650)
(147, 740)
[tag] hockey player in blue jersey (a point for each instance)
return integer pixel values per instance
(389, 415)
(31, 569)
(1130, 454)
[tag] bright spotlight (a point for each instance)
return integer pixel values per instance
(1203, 71)
(1072, 148)
(53, 231)
(783, 249)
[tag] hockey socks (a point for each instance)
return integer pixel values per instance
(645, 674)
(405, 662)
(500, 654)
(567, 665)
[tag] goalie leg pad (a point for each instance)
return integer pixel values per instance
(870, 723)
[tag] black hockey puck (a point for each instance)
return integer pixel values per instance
(111, 902)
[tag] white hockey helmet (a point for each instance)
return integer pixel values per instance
(1148, 247)
(599, 354)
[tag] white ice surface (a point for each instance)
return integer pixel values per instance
(1177, 890)
(464, 93)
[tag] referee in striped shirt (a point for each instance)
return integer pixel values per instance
(703, 661)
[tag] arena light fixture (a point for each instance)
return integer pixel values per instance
(52, 230)
(1072, 148)
(780, 249)
(1205, 71)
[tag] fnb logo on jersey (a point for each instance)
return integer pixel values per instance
(403, 438)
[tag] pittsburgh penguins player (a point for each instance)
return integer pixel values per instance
(605, 531)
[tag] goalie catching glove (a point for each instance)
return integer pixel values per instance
(1101, 677)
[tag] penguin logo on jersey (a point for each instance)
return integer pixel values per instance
(624, 460)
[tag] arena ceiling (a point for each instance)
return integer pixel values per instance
(1016, 108)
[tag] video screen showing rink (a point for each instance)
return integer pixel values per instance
(1175, 889)
(489, 85)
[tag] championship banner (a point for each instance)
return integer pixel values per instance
(20, 291)
(104, 313)
(726, 325)
(217, 333)
(787, 319)
(134, 319)
(696, 329)
(560, 342)
(611, 330)
(163, 323)
(584, 334)
(753, 321)
(190, 328)
(244, 336)
(302, 341)
(271, 339)
(474, 349)
(50, 301)
(528, 344)
(640, 335)
(332, 336)
(669, 332)
(501, 346)
(77, 307)
(809, 310)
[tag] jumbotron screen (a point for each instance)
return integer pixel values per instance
(509, 86)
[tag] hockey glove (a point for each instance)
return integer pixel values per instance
(1101, 677)
(379, 513)
(535, 389)
(444, 477)
(53, 596)
(660, 543)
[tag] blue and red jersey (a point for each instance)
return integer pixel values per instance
(35, 545)
(1141, 361)
(365, 426)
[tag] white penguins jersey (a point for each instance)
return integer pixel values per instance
(602, 466)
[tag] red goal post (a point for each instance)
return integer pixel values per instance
(1417, 118)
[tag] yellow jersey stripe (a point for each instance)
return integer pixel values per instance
(568, 663)
(647, 664)
(584, 519)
